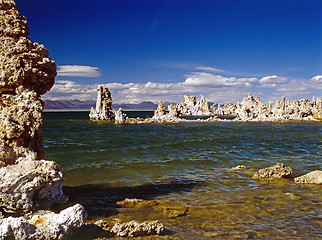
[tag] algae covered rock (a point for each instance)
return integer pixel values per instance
(314, 177)
(277, 171)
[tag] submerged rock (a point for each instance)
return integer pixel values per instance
(135, 229)
(314, 177)
(238, 167)
(276, 171)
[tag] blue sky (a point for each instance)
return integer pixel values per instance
(146, 50)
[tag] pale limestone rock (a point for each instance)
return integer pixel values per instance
(201, 107)
(57, 226)
(314, 177)
(276, 171)
(16, 228)
(44, 225)
(252, 109)
(103, 110)
(173, 112)
(26, 72)
(191, 107)
(161, 115)
(135, 229)
(30, 184)
(120, 117)
(160, 112)
(187, 105)
(238, 167)
(26, 184)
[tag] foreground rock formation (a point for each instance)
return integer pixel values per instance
(44, 225)
(103, 109)
(27, 183)
(26, 72)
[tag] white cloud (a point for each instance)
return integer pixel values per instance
(317, 79)
(271, 81)
(216, 81)
(209, 69)
(78, 71)
(215, 88)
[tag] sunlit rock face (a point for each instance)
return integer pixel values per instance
(191, 107)
(103, 110)
(44, 224)
(252, 109)
(160, 113)
(314, 177)
(30, 185)
(26, 72)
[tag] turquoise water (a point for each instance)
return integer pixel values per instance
(188, 165)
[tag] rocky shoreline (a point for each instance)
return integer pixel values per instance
(30, 186)
(251, 109)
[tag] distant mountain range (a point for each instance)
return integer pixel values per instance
(86, 105)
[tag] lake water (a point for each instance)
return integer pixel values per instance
(186, 169)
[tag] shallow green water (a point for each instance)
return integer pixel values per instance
(189, 165)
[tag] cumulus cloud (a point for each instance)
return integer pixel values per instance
(272, 81)
(317, 79)
(217, 81)
(209, 69)
(215, 88)
(78, 71)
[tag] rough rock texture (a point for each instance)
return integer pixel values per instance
(44, 225)
(58, 226)
(314, 177)
(252, 109)
(276, 171)
(26, 182)
(134, 229)
(120, 117)
(17, 228)
(26, 72)
(103, 110)
(160, 112)
(173, 112)
(190, 107)
(30, 184)
(186, 106)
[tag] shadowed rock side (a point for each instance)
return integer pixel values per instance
(27, 183)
